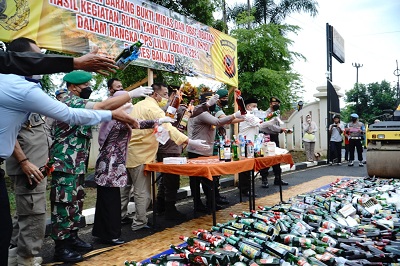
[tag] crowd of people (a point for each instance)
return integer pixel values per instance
(32, 146)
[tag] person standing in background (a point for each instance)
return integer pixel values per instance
(309, 130)
(356, 130)
(335, 131)
(274, 130)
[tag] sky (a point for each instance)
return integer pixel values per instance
(371, 33)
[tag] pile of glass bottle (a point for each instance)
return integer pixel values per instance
(351, 222)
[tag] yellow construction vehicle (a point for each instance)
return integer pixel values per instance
(383, 147)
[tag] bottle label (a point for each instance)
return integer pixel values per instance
(248, 250)
(227, 153)
(171, 110)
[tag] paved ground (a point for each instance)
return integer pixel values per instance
(293, 177)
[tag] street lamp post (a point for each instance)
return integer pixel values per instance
(397, 74)
(357, 66)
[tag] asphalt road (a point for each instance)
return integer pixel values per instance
(232, 193)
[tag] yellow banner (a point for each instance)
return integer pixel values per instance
(172, 42)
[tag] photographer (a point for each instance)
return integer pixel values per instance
(335, 131)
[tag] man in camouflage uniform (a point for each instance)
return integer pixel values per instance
(69, 154)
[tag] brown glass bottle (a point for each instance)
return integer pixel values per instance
(174, 105)
(240, 102)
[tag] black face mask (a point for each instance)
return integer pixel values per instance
(224, 102)
(85, 93)
(275, 107)
(212, 108)
(354, 120)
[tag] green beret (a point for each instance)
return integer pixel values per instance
(222, 93)
(77, 77)
(274, 99)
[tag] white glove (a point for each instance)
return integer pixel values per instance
(238, 115)
(198, 144)
(128, 107)
(166, 119)
(213, 100)
(140, 92)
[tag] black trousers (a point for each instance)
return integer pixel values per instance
(277, 167)
(355, 144)
(169, 183)
(336, 151)
(107, 219)
(5, 221)
(195, 181)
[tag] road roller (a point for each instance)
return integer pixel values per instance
(383, 147)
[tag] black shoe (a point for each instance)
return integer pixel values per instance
(175, 216)
(113, 242)
(221, 200)
(62, 252)
(264, 184)
(283, 183)
(247, 194)
(201, 208)
(127, 220)
(78, 244)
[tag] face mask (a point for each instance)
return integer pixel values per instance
(85, 93)
(353, 119)
(255, 109)
(212, 108)
(224, 102)
(308, 120)
(275, 107)
(163, 102)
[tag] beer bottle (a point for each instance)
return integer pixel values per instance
(123, 58)
(235, 152)
(272, 115)
(174, 104)
(240, 102)
(182, 126)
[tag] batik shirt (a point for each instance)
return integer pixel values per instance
(70, 149)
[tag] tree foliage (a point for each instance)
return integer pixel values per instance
(373, 99)
(264, 64)
(275, 12)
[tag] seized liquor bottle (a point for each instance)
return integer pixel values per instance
(174, 104)
(272, 115)
(182, 126)
(240, 102)
(227, 150)
(128, 54)
(46, 171)
(235, 149)
(221, 150)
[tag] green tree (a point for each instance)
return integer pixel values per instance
(373, 99)
(275, 12)
(264, 64)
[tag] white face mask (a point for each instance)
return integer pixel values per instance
(255, 109)
(308, 120)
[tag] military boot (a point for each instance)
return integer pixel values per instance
(78, 244)
(63, 252)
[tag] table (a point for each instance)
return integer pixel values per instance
(208, 167)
